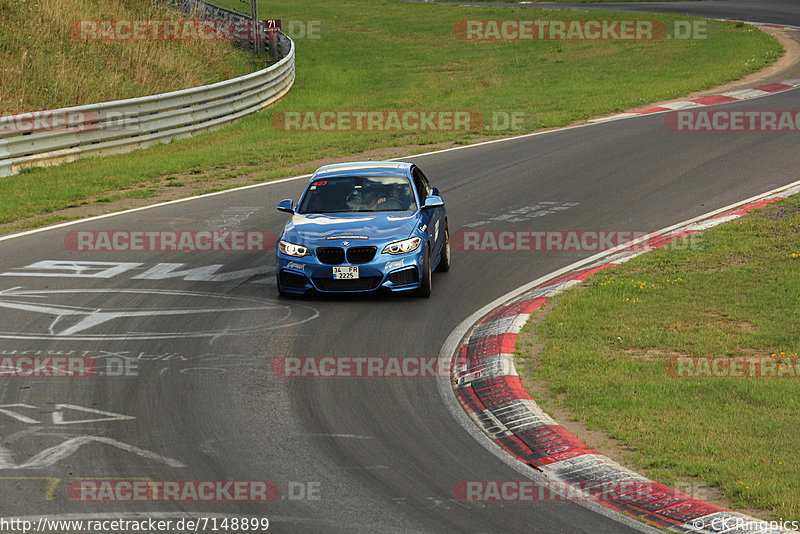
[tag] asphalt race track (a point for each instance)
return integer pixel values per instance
(184, 341)
(781, 12)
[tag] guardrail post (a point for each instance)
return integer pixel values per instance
(256, 27)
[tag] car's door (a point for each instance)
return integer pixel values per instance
(433, 218)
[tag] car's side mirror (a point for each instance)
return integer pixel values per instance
(286, 205)
(433, 201)
(435, 191)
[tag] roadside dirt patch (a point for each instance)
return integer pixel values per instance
(782, 213)
(652, 355)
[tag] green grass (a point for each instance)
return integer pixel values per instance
(376, 55)
(605, 348)
(43, 67)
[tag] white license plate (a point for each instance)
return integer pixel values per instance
(345, 273)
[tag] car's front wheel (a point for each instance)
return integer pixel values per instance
(424, 290)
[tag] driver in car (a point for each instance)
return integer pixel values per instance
(397, 201)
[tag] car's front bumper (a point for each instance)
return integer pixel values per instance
(385, 271)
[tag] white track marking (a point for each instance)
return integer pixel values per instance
(53, 455)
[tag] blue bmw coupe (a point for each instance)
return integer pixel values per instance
(361, 227)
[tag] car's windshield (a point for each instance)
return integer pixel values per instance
(358, 193)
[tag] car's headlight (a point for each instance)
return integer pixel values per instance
(401, 247)
(290, 249)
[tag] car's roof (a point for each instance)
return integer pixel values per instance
(365, 168)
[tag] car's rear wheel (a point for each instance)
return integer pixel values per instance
(424, 290)
(444, 260)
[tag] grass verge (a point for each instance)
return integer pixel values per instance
(43, 67)
(604, 355)
(398, 56)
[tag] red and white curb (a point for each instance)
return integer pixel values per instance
(487, 386)
(711, 100)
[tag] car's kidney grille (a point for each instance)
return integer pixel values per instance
(361, 254)
(337, 255)
(352, 284)
(330, 255)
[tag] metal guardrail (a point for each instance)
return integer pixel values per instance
(55, 136)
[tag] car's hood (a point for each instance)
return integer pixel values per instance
(365, 226)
